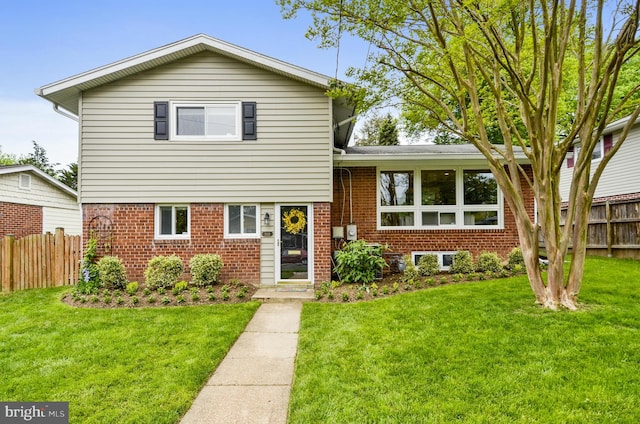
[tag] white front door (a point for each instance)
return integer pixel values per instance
(294, 243)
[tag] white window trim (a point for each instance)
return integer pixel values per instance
(27, 178)
(243, 235)
(439, 254)
(459, 208)
(159, 236)
(578, 148)
(174, 121)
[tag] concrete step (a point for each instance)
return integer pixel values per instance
(280, 295)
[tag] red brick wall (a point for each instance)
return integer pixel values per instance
(322, 242)
(20, 220)
(364, 188)
(129, 232)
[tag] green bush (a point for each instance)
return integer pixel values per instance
(489, 262)
(358, 262)
(111, 273)
(411, 271)
(163, 271)
(205, 269)
(515, 259)
(132, 288)
(428, 265)
(462, 263)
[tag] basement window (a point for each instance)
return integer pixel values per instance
(172, 221)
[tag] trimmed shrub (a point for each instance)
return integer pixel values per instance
(132, 288)
(462, 263)
(163, 271)
(411, 271)
(489, 262)
(515, 258)
(428, 265)
(112, 273)
(205, 269)
(358, 262)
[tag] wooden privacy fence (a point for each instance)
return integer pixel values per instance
(39, 260)
(614, 229)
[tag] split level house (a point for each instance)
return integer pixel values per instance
(202, 146)
(33, 202)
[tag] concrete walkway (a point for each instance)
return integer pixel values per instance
(253, 382)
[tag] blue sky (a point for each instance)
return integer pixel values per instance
(45, 41)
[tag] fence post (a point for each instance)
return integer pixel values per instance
(7, 262)
(59, 257)
(609, 232)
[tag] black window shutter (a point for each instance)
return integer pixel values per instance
(608, 142)
(161, 120)
(249, 129)
(570, 158)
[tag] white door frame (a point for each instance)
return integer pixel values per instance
(278, 242)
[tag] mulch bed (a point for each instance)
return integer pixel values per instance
(329, 292)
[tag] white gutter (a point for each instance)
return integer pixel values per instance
(56, 107)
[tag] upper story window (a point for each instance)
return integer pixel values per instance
(172, 221)
(209, 121)
(451, 198)
(241, 221)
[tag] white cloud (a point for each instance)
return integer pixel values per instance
(22, 121)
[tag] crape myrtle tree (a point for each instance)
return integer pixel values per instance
(536, 75)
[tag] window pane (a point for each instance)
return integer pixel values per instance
(438, 218)
(190, 121)
(481, 218)
(166, 212)
(438, 187)
(396, 188)
(429, 218)
(234, 219)
(181, 220)
(396, 219)
(480, 188)
(597, 151)
(447, 218)
(221, 120)
(249, 219)
(447, 260)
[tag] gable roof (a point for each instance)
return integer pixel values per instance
(16, 169)
(66, 92)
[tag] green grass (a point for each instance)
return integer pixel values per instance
(475, 353)
(112, 365)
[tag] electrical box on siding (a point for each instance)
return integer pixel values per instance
(352, 232)
(337, 232)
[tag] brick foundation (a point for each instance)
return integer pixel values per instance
(364, 186)
(20, 220)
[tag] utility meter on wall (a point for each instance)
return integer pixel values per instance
(352, 232)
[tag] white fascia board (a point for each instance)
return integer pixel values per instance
(198, 40)
(375, 160)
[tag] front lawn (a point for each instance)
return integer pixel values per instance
(141, 365)
(475, 352)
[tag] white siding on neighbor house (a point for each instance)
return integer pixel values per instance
(621, 176)
(53, 218)
(41, 193)
(122, 163)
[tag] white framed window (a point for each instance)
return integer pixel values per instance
(438, 198)
(206, 121)
(241, 221)
(172, 221)
(24, 182)
(598, 151)
(445, 259)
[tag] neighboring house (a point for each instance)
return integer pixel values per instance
(614, 228)
(205, 147)
(33, 202)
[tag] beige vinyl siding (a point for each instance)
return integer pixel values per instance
(121, 162)
(41, 193)
(621, 174)
(70, 220)
(268, 248)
